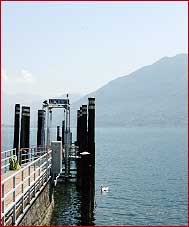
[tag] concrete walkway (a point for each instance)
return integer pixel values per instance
(8, 185)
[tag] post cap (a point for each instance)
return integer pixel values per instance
(91, 100)
(84, 153)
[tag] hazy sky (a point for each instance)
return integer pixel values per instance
(51, 48)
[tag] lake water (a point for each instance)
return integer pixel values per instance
(146, 171)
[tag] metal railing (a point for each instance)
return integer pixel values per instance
(20, 189)
(5, 163)
(30, 154)
(73, 151)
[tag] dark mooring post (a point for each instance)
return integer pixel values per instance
(85, 170)
(25, 130)
(84, 128)
(58, 134)
(87, 192)
(16, 128)
(63, 129)
(41, 128)
(91, 146)
(87, 211)
(80, 131)
(84, 160)
(91, 132)
(78, 116)
(78, 153)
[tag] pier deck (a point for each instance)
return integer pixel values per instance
(21, 187)
(8, 186)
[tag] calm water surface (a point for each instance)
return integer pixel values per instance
(146, 171)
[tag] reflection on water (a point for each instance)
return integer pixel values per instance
(87, 211)
(72, 207)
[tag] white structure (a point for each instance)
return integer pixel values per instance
(63, 104)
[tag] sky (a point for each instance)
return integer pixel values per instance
(53, 48)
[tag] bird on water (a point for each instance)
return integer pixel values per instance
(104, 189)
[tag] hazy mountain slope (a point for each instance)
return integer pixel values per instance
(155, 95)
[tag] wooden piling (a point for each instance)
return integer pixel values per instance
(58, 137)
(85, 170)
(41, 128)
(83, 160)
(25, 129)
(80, 131)
(63, 130)
(91, 146)
(78, 144)
(16, 128)
(87, 191)
(84, 128)
(91, 131)
(78, 116)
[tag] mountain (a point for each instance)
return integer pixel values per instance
(155, 95)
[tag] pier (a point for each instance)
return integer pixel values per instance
(29, 174)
